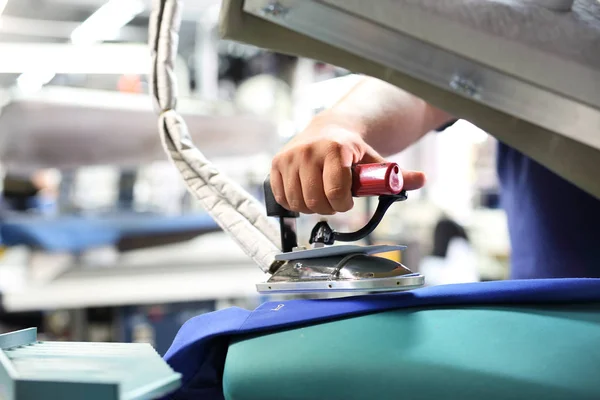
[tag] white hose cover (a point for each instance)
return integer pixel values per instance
(235, 210)
(164, 39)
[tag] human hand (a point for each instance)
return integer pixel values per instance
(313, 172)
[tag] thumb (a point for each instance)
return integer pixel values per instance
(413, 180)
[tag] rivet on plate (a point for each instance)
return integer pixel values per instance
(465, 86)
(275, 9)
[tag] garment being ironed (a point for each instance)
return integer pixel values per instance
(199, 349)
(554, 226)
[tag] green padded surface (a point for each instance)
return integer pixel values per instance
(545, 352)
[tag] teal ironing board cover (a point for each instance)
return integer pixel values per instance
(32, 369)
(200, 348)
(491, 352)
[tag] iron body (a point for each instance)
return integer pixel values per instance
(327, 267)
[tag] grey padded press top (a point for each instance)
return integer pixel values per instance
(572, 35)
(552, 48)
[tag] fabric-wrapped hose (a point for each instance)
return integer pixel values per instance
(236, 211)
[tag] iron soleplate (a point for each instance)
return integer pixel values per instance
(392, 284)
(340, 269)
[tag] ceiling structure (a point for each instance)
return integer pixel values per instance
(50, 49)
(54, 21)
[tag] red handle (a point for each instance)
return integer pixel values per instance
(376, 179)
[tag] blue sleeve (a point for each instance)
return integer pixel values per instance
(554, 226)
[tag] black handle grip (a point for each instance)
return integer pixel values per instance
(275, 209)
(323, 233)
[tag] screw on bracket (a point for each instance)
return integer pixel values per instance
(275, 9)
(465, 86)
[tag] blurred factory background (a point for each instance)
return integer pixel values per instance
(100, 240)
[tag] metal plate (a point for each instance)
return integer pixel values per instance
(71, 128)
(406, 282)
(31, 369)
(540, 105)
(330, 251)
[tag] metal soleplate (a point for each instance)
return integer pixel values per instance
(31, 370)
(401, 283)
(330, 251)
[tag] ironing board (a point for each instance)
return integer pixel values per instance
(526, 74)
(78, 233)
(454, 352)
(529, 339)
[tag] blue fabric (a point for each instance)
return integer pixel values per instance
(554, 226)
(199, 349)
(78, 233)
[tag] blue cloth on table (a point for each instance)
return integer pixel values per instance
(198, 351)
(78, 233)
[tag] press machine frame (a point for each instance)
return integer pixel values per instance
(552, 108)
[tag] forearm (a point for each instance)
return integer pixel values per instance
(388, 118)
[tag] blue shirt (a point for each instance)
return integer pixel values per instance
(554, 226)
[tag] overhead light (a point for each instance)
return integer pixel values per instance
(102, 25)
(106, 58)
(107, 21)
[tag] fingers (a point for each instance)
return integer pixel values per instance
(286, 184)
(313, 174)
(312, 180)
(310, 187)
(292, 186)
(337, 183)
(277, 188)
(413, 180)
